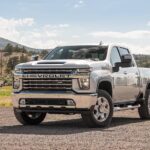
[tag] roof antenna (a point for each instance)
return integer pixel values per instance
(101, 43)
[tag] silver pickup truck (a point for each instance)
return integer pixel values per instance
(92, 80)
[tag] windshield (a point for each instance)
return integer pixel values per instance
(78, 52)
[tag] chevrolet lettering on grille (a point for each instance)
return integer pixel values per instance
(45, 76)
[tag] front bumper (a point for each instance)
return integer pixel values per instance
(82, 101)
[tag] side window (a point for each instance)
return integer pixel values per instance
(123, 51)
(115, 57)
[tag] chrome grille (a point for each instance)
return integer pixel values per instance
(47, 83)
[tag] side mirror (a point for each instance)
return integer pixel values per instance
(34, 57)
(127, 59)
(126, 62)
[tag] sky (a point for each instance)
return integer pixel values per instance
(46, 24)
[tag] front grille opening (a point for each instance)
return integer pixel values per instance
(47, 84)
(56, 102)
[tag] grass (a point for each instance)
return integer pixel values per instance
(5, 96)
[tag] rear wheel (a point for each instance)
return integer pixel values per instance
(101, 113)
(144, 110)
(27, 118)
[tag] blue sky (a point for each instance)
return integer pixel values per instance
(48, 23)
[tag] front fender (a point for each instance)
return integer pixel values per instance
(100, 76)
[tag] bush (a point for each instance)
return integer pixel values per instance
(7, 81)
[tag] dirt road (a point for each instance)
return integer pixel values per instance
(58, 132)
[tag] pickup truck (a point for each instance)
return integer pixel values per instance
(91, 80)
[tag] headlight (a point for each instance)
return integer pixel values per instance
(84, 83)
(18, 70)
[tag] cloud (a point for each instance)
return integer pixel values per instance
(75, 36)
(57, 26)
(27, 32)
(137, 48)
(79, 4)
(137, 40)
(64, 25)
(148, 23)
(137, 34)
(13, 22)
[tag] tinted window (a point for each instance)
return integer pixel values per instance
(115, 57)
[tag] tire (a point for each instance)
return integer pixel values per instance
(144, 110)
(100, 117)
(29, 118)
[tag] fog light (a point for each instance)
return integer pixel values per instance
(70, 103)
(16, 84)
(22, 102)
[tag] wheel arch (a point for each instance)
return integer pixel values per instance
(105, 85)
(147, 88)
(143, 93)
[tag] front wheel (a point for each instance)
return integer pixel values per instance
(100, 115)
(27, 118)
(144, 110)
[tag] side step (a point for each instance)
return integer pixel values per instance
(117, 108)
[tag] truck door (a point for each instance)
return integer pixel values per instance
(120, 92)
(132, 75)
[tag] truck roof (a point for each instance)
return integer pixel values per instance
(103, 45)
(84, 46)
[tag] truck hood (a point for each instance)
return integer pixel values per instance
(69, 63)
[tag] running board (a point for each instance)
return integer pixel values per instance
(126, 108)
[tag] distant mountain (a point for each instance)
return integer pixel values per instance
(4, 42)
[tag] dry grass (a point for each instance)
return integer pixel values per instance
(5, 96)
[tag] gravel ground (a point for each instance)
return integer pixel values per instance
(58, 132)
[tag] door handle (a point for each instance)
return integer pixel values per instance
(125, 72)
(137, 73)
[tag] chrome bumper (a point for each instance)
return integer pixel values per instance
(84, 101)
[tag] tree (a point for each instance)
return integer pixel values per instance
(16, 49)
(9, 49)
(43, 53)
(23, 58)
(12, 62)
(23, 50)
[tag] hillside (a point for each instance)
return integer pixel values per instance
(4, 42)
(142, 60)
